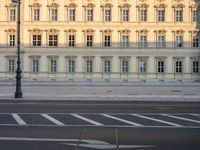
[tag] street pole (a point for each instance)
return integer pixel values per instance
(18, 93)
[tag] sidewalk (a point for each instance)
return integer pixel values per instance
(104, 91)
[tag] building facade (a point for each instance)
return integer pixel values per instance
(105, 40)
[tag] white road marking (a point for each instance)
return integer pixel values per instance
(57, 122)
(158, 120)
(122, 120)
(88, 120)
(18, 119)
(198, 115)
(181, 118)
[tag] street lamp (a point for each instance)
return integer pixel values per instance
(18, 93)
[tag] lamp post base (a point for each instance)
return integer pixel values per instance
(18, 95)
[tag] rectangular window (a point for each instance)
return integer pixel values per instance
(179, 15)
(161, 41)
(125, 66)
(37, 40)
(143, 15)
(107, 41)
(125, 41)
(107, 66)
(125, 15)
(143, 41)
(11, 40)
(35, 65)
(53, 66)
(71, 40)
(89, 42)
(161, 15)
(54, 15)
(71, 66)
(194, 15)
(195, 42)
(36, 14)
(142, 67)
(89, 66)
(108, 15)
(11, 65)
(53, 40)
(179, 41)
(12, 14)
(160, 66)
(72, 15)
(195, 67)
(178, 66)
(90, 15)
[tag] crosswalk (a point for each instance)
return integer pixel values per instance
(176, 120)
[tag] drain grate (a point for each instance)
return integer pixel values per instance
(176, 91)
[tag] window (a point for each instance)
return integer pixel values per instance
(142, 66)
(71, 40)
(161, 15)
(195, 42)
(89, 42)
(107, 15)
(11, 65)
(143, 41)
(11, 40)
(107, 66)
(160, 66)
(90, 15)
(54, 14)
(71, 66)
(72, 15)
(179, 15)
(195, 67)
(53, 66)
(125, 14)
(36, 14)
(107, 41)
(179, 41)
(53, 40)
(161, 41)
(125, 41)
(35, 65)
(194, 15)
(89, 66)
(143, 15)
(12, 14)
(125, 66)
(178, 68)
(37, 40)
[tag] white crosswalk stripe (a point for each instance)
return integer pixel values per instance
(198, 115)
(55, 121)
(181, 118)
(122, 120)
(87, 120)
(18, 119)
(158, 120)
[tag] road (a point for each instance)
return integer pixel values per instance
(93, 125)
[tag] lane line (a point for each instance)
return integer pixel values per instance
(198, 115)
(18, 119)
(157, 120)
(122, 120)
(86, 119)
(181, 118)
(55, 121)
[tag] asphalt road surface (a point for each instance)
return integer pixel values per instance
(70, 125)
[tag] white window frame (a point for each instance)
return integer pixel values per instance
(161, 42)
(160, 66)
(72, 14)
(143, 15)
(35, 65)
(36, 14)
(54, 14)
(12, 12)
(160, 15)
(178, 66)
(108, 15)
(90, 15)
(179, 41)
(179, 15)
(107, 66)
(54, 40)
(36, 40)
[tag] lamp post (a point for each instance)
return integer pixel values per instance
(18, 92)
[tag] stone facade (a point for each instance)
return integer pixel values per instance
(102, 39)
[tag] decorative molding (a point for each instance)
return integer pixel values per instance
(125, 31)
(88, 57)
(142, 58)
(106, 57)
(52, 31)
(35, 5)
(178, 32)
(35, 31)
(142, 32)
(89, 31)
(70, 57)
(124, 58)
(161, 32)
(107, 31)
(71, 31)
(53, 5)
(11, 31)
